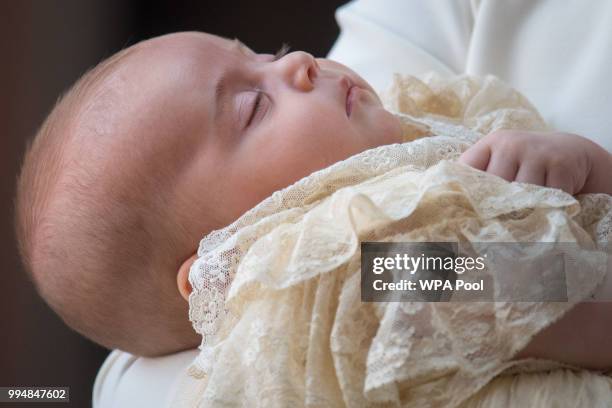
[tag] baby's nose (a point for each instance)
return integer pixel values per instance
(300, 69)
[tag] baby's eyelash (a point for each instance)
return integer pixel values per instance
(256, 107)
(284, 50)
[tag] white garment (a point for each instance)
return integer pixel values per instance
(555, 53)
(125, 380)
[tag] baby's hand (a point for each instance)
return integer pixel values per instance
(552, 159)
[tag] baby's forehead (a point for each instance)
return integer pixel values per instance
(180, 69)
(168, 68)
(177, 48)
(140, 97)
(157, 98)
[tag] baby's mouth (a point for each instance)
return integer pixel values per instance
(345, 86)
(350, 97)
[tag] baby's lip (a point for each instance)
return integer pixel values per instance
(347, 84)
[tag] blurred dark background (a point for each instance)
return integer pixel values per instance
(45, 46)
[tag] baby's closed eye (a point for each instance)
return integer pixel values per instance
(253, 106)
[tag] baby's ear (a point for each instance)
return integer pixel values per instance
(182, 278)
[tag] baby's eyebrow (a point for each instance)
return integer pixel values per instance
(221, 96)
(222, 83)
(242, 47)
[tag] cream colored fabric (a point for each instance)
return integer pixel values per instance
(555, 388)
(276, 295)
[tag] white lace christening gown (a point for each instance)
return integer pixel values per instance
(276, 295)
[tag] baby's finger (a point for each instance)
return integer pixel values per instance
(504, 167)
(477, 156)
(532, 173)
(559, 178)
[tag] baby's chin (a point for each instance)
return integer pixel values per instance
(393, 128)
(383, 126)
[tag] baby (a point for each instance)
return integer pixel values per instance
(181, 134)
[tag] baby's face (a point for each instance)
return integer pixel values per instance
(229, 126)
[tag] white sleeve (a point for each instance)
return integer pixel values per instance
(380, 37)
(125, 380)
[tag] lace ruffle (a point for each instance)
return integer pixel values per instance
(276, 294)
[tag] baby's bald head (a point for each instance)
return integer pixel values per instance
(94, 224)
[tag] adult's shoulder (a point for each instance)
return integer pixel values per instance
(380, 37)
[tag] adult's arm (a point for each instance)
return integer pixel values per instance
(125, 380)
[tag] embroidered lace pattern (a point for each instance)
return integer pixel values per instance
(276, 294)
